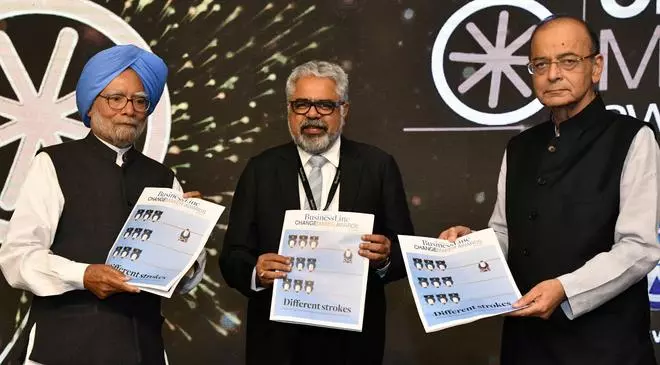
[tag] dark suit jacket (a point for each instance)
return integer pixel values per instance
(370, 183)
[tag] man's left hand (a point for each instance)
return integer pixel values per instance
(542, 300)
(192, 194)
(376, 248)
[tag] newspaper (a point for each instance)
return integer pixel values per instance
(328, 281)
(162, 238)
(454, 283)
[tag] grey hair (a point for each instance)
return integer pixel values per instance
(319, 69)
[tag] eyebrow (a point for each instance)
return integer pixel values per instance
(562, 55)
(117, 92)
(314, 100)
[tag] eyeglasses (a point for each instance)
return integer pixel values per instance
(118, 102)
(568, 63)
(323, 107)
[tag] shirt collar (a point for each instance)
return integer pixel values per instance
(120, 151)
(591, 115)
(332, 154)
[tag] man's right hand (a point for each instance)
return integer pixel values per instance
(454, 232)
(271, 266)
(104, 280)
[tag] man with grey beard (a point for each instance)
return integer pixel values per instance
(73, 204)
(320, 169)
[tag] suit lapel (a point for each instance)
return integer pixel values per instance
(351, 172)
(287, 175)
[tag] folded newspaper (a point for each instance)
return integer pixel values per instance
(454, 283)
(328, 281)
(162, 238)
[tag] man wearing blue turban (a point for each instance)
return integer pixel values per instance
(107, 65)
(72, 205)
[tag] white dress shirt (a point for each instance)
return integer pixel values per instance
(328, 172)
(635, 251)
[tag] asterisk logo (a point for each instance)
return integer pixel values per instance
(497, 60)
(37, 118)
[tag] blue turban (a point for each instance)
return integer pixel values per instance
(106, 65)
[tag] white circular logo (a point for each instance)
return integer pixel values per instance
(38, 118)
(497, 61)
(613, 8)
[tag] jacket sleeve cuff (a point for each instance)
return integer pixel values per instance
(253, 282)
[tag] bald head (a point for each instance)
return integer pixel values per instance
(569, 22)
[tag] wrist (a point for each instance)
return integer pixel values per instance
(382, 263)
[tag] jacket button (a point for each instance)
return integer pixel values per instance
(532, 215)
(540, 180)
(525, 252)
(552, 148)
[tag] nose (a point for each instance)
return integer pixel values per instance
(554, 72)
(128, 108)
(312, 113)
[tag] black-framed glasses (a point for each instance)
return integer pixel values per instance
(566, 63)
(119, 101)
(323, 107)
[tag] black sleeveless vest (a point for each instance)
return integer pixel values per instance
(77, 327)
(562, 203)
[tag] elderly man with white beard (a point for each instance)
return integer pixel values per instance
(320, 169)
(72, 206)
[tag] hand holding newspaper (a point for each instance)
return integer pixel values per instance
(162, 238)
(459, 282)
(328, 280)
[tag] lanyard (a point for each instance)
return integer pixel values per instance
(308, 190)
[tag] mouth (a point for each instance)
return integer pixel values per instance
(313, 130)
(556, 91)
(128, 125)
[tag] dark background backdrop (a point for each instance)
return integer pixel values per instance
(228, 65)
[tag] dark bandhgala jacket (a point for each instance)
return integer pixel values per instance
(76, 327)
(562, 204)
